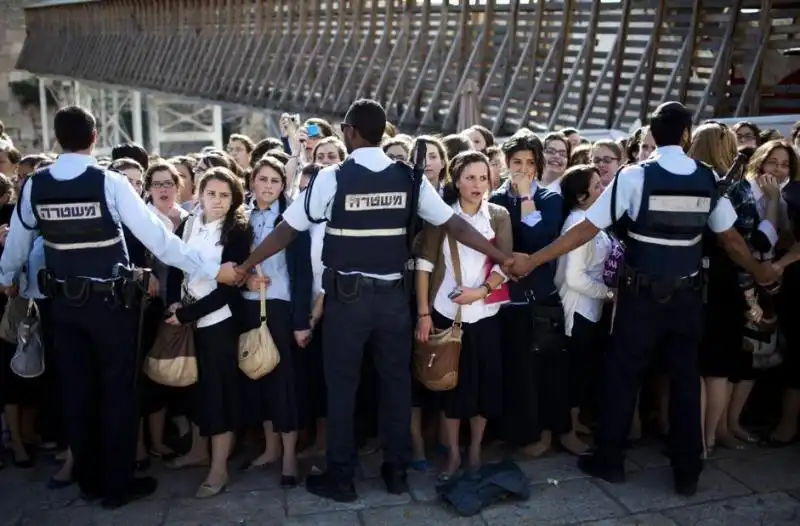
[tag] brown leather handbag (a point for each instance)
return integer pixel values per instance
(436, 361)
(171, 361)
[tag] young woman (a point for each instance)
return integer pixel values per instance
(162, 184)
(329, 151)
(761, 216)
(583, 293)
(536, 382)
(274, 400)
(185, 166)
(240, 147)
(557, 150)
(219, 230)
(480, 137)
(478, 394)
(607, 156)
(435, 160)
(397, 149)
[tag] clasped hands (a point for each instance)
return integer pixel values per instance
(518, 266)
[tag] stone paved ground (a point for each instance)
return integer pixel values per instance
(747, 488)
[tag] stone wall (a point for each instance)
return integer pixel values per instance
(21, 123)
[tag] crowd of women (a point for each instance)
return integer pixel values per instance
(225, 202)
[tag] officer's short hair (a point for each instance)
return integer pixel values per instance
(75, 128)
(131, 150)
(369, 119)
(669, 122)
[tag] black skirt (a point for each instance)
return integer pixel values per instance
(311, 381)
(216, 405)
(480, 372)
(274, 397)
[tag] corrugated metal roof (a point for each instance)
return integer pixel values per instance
(54, 3)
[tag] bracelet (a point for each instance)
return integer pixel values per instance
(488, 288)
(426, 315)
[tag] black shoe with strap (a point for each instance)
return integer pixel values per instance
(323, 485)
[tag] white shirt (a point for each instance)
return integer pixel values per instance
(317, 237)
(204, 238)
(629, 192)
(431, 208)
(473, 271)
(123, 205)
(579, 276)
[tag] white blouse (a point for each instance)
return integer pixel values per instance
(317, 234)
(473, 271)
(579, 275)
(204, 238)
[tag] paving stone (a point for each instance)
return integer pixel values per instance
(141, 513)
(570, 502)
(417, 514)
(560, 467)
(642, 519)
(765, 473)
(653, 489)
(423, 486)
(648, 456)
(337, 518)
(235, 507)
(772, 509)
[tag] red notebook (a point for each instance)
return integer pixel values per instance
(500, 294)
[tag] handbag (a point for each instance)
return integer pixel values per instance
(15, 313)
(28, 360)
(258, 354)
(171, 360)
(436, 361)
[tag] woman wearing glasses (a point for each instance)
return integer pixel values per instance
(607, 156)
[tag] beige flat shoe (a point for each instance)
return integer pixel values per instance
(206, 491)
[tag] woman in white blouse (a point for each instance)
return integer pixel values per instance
(579, 278)
(478, 394)
(220, 231)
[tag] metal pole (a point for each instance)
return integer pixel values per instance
(43, 116)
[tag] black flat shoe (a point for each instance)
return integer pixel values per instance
(23, 464)
(288, 481)
(324, 486)
(143, 465)
(139, 489)
(55, 484)
(591, 465)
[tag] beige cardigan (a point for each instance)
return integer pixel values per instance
(430, 241)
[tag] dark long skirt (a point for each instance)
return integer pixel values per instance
(480, 374)
(275, 396)
(216, 405)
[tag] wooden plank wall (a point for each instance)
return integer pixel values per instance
(542, 64)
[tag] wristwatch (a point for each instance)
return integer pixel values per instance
(610, 295)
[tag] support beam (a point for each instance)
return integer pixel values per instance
(44, 119)
(136, 116)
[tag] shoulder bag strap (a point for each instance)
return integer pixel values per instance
(263, 293)
(456, 271)
(187, 233)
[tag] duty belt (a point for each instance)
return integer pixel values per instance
(661, 289)
(77, 290)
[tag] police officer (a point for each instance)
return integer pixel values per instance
(366, 202)
(79, 210)
(666, 203)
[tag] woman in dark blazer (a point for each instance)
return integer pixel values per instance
(274, 401)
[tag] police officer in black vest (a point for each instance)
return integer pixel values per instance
(79, 210)
(665, 205)
(366, 202)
